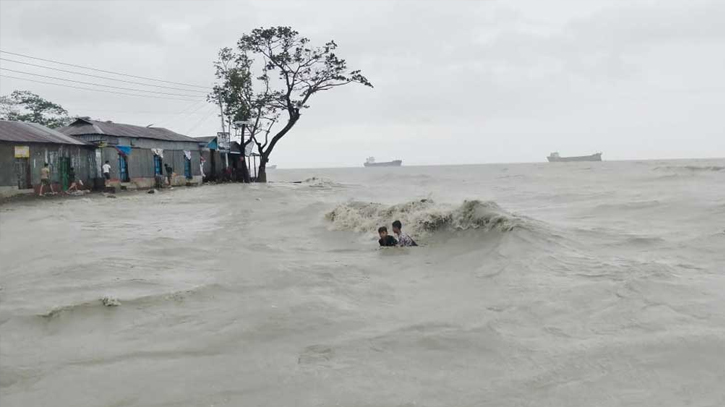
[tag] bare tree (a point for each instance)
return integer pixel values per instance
(270, 78)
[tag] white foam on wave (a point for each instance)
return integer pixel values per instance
(110, 301)
(423, 217)
(320, 182)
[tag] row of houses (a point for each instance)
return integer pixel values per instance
(136, 154)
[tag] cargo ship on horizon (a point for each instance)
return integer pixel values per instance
(556, 158)
(370, 162)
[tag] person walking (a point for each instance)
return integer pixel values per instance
(74, 181)
(106, 173)
(45, 179)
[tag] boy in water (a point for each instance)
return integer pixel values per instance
(403, 239)
(385, 239)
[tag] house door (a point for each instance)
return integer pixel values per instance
(213, 164)
(22, 171)
(65, 180)
(123, 169)
(158, 165)
(187, 168)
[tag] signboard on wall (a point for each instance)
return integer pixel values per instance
(223, 140)
(22, 151)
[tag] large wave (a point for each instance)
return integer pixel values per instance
(423, 217)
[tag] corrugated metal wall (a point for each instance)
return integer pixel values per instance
(141, 162)
(82, 160)
(7, 165)
(87, 166)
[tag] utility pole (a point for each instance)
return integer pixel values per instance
(221, 110)
(244, 156)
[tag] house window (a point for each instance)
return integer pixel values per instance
(187, 168)
(123, 168)
(158, 165)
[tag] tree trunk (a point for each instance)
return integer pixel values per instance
(245, 170)
(262, 174)
(264, 155)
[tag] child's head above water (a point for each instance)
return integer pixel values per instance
(383, 232)
(397, 226)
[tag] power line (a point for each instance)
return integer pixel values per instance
(104, 71)
(77, 108)
(91, 89)
(196, 110)
(203, 119)
(99, 84)
(99, 76)
(184, 111)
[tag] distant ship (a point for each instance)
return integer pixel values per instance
(272, 167)
(370, 162)
(556, 158)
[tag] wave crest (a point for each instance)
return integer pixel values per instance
(423, 216)
(316, 182)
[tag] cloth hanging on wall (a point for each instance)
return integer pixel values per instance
(124, 150)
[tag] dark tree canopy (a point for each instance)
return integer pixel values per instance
(26, 106)
(270, 77)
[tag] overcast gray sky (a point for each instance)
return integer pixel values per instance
(455, 81)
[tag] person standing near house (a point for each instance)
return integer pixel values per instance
(45, 179)
(106, 173)
(74, 182)
(169, 173)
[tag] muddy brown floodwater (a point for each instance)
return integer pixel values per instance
(535, 285)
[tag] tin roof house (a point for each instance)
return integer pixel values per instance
(137, 154)
(26, 147)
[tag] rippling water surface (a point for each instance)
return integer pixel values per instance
(584, 284)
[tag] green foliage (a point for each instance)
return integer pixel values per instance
(26, 106)
(274, 72)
